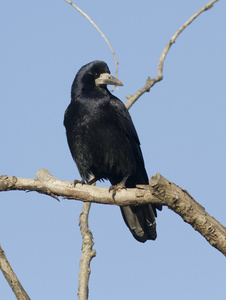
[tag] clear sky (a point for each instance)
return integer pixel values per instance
(181, 124)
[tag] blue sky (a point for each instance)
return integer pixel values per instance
(181, 124)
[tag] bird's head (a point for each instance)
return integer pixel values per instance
(93, 75)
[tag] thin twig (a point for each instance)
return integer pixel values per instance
(11, 277)
(150, 82)
(98, 29)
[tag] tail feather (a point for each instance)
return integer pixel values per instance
(140, 221)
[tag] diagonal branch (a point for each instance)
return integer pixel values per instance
(159, 191)
(11, 277)
(101, 33)
(150, 82)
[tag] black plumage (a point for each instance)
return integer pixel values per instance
(103, 142)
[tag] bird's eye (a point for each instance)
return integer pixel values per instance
(96, 75)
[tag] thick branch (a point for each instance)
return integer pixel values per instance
(159, 191)
(150, 82)
(182, 203)
(10, 276)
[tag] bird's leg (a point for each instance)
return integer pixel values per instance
(92, 181)
(118, 186)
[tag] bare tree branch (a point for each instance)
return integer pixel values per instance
(87, 252)
(160, 191)
(150, 82)
(11, 277)
(182, 203)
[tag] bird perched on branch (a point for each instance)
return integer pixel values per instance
(104, 143)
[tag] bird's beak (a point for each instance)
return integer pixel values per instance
(106, 78)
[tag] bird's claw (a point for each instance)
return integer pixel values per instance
(79, 181)
(115, 188)
(92, 181)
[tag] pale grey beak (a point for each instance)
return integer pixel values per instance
(106, 78)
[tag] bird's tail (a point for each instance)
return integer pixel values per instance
(141, 221)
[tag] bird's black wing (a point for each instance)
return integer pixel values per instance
(139, 219)
(126, 125)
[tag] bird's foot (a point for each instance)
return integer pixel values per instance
(121, 185)
(92, 181)
(79, 181)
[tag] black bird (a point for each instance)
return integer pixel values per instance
(103, 142)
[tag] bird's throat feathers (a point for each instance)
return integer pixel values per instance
(90, 91)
